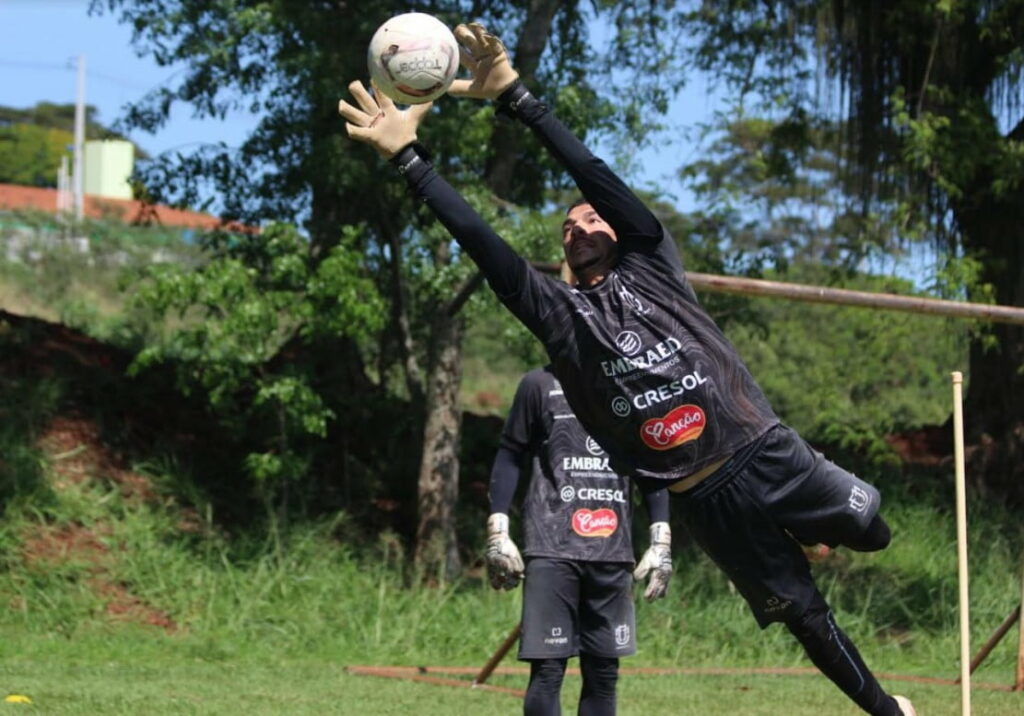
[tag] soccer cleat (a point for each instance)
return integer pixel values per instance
(906, 707)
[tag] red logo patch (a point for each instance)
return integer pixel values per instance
(596, 523)
(681, 425)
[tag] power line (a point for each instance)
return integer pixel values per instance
(18, 64)
(32, 65)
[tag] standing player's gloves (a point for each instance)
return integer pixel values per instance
(504, 563)
(657, 561)
(378, 122)
(486, 59)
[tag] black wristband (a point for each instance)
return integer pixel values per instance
(514, 99)
(409, 156)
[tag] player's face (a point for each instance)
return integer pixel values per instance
(588, 241)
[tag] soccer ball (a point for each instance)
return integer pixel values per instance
(413, 58)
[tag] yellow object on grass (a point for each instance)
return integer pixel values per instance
(17, 699)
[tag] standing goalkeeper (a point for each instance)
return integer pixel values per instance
(577, 518)
(652, 378)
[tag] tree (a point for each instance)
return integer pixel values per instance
(235, 316)
(934, 137)
(33, 140)
(30, 155)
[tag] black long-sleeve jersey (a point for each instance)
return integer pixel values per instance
(643, 366)
(576, 506)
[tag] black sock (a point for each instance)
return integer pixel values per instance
(544, 689)
(838, 659)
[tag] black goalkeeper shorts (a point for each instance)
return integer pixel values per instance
(573, 606)
(751, 515)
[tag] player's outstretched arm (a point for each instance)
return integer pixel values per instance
(392, 132)
(486, 58)
(493, 77)
(378, 122)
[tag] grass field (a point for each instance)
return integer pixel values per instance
(114, 599)
(246, 630)
(170, 679)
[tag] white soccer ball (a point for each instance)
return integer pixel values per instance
(413, 58)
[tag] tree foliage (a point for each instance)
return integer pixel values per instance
(31, 155)
(289, 63)
(236, 319)
(933, 132)
(33, 140)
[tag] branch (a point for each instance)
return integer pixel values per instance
(533, 37)
(1017, 133)
(400, 316)
(465, 291)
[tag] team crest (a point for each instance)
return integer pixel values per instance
(859, 499)
(622, 634)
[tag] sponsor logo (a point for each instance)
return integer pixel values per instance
(601, 494)
(633, 302)
(774, 604)
(585, 463)
(621, 406)
(556, 637)
(680, 425)
(594, 523)
(668, 391)
(622, 634)
(592, 447)
(628, 342)
(598, 494)
(646, 360)
(859, 499)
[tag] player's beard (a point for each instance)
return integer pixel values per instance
(588, 252)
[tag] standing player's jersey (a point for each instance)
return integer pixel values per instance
(575, 507)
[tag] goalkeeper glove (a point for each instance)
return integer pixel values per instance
(504, 563)
(657, 561)
(487, 61)
(378, 122)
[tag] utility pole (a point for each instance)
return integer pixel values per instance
(63, 193)
(79, 177)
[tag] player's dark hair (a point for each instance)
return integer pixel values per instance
(579, 202)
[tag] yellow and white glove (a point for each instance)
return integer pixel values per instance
(378, 122)
(487, 61)
(504, 563)
(657, 561)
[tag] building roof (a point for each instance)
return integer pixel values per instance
(131, 211)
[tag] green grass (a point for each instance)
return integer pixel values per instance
(267, 632)
(163, 676)
(262, 629)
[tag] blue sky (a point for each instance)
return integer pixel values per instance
(39, 40)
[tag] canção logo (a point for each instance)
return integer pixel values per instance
(681, 425)
(594, 523)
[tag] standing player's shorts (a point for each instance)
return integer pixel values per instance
(750, 514)
(573, 606)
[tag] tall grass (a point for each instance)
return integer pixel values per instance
(241, 599)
